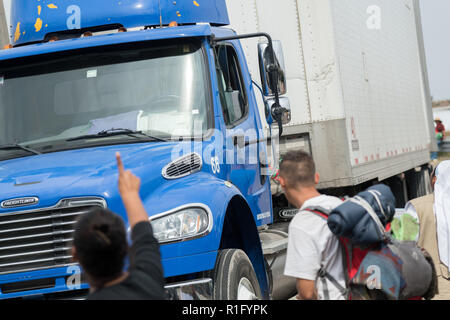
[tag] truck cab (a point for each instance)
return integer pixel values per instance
(178, 102)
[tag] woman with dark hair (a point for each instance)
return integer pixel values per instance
(100, 246)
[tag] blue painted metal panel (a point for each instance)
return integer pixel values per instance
(32, 20)
(105, 40)
(59, 274)
(189, 264)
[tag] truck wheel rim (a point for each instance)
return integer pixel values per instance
(246, 290)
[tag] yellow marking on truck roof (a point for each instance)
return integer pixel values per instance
(17, 33)
(38, 24)
(52, 6)
(196, 3)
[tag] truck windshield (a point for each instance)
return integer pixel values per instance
(159, 90)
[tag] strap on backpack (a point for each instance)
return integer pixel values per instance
(319, 211)
(323, 274)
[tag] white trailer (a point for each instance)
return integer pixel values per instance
(357, 86)
(4, 34)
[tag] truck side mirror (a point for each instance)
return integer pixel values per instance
(281, 113)
(266, 66)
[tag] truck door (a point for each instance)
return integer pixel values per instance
(242, 147)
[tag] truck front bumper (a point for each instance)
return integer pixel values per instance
(199, 289)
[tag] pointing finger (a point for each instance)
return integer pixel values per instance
(119, 163)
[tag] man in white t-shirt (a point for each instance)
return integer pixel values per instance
(312, 247)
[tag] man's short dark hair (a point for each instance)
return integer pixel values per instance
(298, 169)
(101, 244)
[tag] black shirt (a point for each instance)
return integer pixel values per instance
(146, 279)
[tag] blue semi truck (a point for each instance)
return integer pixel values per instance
(167, 85)
(200, 113)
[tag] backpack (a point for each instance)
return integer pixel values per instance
(385, 269)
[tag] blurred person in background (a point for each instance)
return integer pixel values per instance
(424, 221)
(440, 136)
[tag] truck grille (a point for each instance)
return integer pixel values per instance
(41, 239)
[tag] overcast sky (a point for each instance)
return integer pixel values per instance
(436, 28)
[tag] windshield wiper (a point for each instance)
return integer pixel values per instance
(117, 132)
(18, 146)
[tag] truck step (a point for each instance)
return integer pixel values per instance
(273, 241)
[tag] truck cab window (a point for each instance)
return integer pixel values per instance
(231, 87)
(159, 89)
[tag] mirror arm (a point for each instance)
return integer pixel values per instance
(276, 108)
(277, 113)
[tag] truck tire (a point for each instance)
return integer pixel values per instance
(399, 188)
(422, 188)
(234, 277)
(418, 183)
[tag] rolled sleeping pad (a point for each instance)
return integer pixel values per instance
(350, 220)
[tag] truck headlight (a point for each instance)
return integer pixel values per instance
(181, 224)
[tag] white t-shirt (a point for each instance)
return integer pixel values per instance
(312, 245)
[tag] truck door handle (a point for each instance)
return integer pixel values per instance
(239, 141)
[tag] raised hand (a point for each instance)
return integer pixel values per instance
(129, 184)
